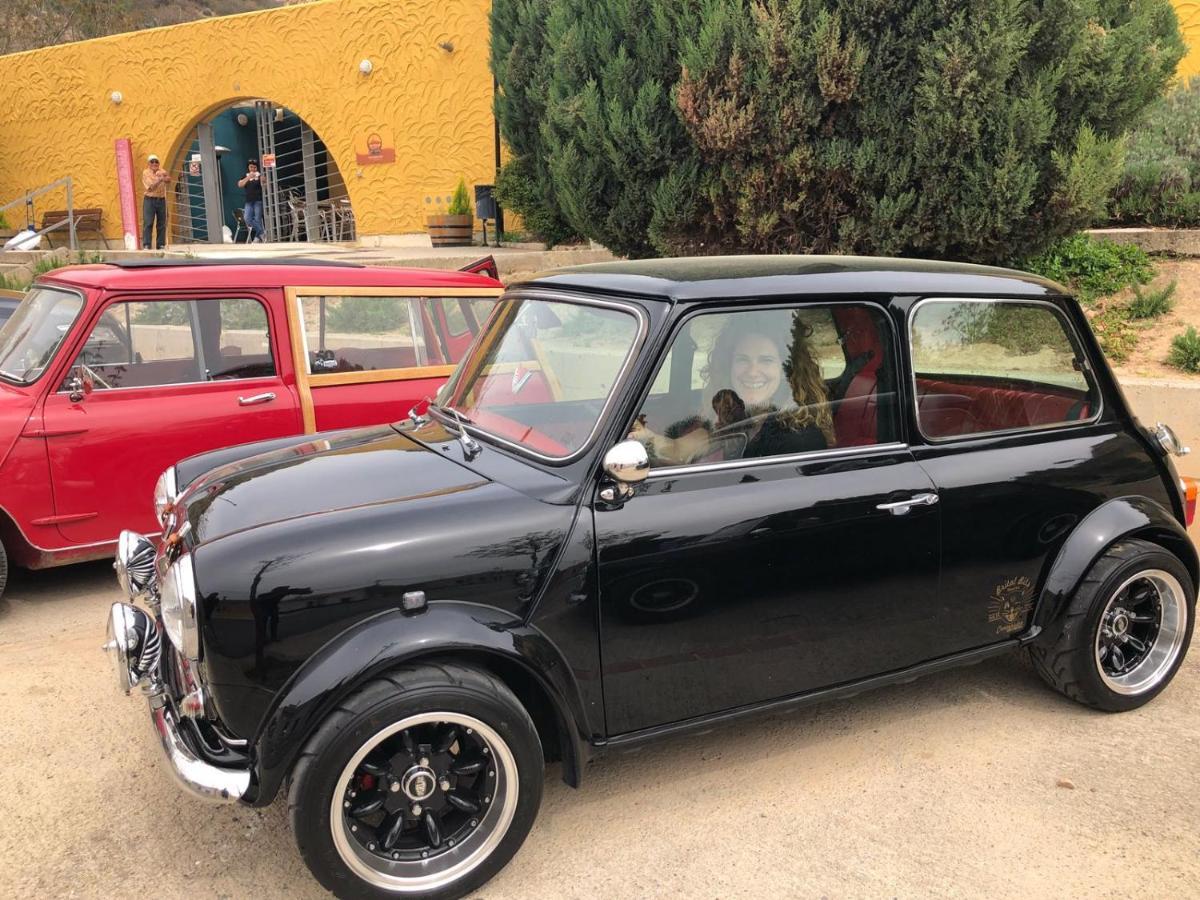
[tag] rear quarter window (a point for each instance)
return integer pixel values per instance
(982, 366)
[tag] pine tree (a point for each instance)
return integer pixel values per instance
(974, 130)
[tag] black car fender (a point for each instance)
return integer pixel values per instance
(1121, 517)
(465, 632)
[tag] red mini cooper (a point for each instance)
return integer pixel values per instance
(111, 373)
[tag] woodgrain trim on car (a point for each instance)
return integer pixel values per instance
(305, 381)
(318, 381)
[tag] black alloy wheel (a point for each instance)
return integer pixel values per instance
(423, 784)
(1124, 633)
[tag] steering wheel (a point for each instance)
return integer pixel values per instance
(730, 444)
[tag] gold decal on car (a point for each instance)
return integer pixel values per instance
(1010, 604)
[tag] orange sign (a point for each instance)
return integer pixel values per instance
(268, 160)
(376, 152)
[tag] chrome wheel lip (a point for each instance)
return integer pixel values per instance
(1168, 641)
(447, 866)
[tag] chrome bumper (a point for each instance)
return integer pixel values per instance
(131, 633)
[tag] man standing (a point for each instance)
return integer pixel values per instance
(154, 203)
(253, 211)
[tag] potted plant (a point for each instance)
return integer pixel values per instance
(456, 227)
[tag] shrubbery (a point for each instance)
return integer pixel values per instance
(1185, 351)
(1092, 268)
(1161, 181)
(976, 130)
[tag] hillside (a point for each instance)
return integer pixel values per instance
(28, 24)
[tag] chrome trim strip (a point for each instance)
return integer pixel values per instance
(631, 357)
(807, 456)
(225, 382)
(1072, 334)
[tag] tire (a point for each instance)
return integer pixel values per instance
(3, 569)
(390, 733)
(1125, 631)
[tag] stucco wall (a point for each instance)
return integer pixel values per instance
(432, 105)
(1189, 23)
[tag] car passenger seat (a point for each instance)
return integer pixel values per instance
(856, 409)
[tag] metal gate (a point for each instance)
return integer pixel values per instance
(304, 196)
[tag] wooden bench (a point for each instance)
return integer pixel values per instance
(85, 220)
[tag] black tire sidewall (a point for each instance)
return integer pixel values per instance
(311, 820)
(1088, 672)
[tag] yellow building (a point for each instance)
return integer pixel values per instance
(398, 93)
(1188, 12)
(379, 107)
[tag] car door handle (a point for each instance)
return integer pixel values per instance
(901, 507)
(257, 398)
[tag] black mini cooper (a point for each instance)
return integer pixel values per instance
(655, 496)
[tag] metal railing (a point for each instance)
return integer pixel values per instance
(30, 218)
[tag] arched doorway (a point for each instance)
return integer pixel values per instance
(303, 193)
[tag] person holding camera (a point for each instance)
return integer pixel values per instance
(251, 182)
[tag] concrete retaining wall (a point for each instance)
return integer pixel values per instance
(1175, 242)
(1175, 403)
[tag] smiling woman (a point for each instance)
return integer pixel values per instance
(762, 391)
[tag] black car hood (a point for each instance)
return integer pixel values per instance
(346, 470)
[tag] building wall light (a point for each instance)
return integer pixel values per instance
(366, 67)
(116, 97)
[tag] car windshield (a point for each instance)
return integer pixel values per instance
(542, 372)
(30, 338)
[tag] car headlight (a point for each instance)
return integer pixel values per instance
(178, 607)
(134, 564)
(165, 493)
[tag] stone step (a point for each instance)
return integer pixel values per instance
(23, 257)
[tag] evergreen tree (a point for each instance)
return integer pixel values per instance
(974, 130)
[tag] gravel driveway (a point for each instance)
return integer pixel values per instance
(964, 783)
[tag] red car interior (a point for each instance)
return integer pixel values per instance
(949, 408)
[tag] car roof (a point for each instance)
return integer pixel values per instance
(202, 274)
(726, 277)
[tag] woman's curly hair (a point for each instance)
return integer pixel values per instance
(801, 398)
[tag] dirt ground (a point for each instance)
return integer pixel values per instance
(979, 781)
(1149, 360)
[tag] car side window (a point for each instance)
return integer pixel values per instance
(771, 382)
(142, 344)
(984, 366)
(243, 345)
(365, 333)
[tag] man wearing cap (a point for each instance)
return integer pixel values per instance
(154, 202)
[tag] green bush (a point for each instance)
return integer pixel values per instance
(460, 202)
(1161, 181)
(1185, 350)
(517, 189)
(368, 315)
(161, 313)
(1092, 268)
(1152, 303)
(976, 130)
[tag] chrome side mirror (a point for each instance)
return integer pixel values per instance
(75, 385)
(626, 464)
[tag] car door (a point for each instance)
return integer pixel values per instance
(368, 355)
(158, 379)
(777, 558)
(1010, 425)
